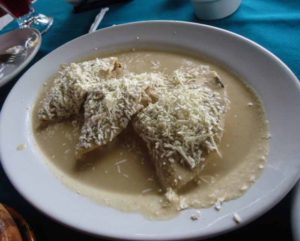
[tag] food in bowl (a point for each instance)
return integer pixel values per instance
(152, 131)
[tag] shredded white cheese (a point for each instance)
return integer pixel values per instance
(179, 116)
(186, 122)
(237, 218)
(21, 147)
(109, 107)
(195, 217)
(147, 190)
(121, 162)
(70, 87)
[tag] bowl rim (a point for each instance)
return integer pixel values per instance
(259, 211)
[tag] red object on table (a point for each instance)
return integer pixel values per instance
(16, 8)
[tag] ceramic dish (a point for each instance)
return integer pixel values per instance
(27, 43)
(273, 81)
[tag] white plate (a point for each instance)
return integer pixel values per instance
(30, 40)
(296, 214)
(273, 81)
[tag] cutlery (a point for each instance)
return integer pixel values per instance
(7, 58)
(98, 20)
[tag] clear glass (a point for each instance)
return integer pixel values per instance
(25, 14)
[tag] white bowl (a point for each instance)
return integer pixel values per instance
(272, 80)
(215, 9)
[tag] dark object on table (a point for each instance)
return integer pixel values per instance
(2, 12)
(85, 5)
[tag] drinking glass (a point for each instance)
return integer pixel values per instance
(25, 14)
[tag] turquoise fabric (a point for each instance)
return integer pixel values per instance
(275, 24)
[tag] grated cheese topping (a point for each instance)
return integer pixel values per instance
(237, 218)
(185, 124)
(109, 107)
(179, 116)
(107, 111)
(182, 127)
(70, 87)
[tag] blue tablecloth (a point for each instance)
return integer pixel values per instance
(275, 24)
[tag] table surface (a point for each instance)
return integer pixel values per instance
(274, 24)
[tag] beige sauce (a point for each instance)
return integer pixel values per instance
(122, 176)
